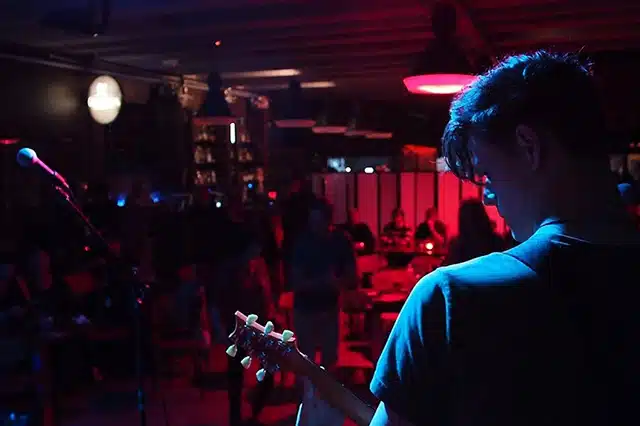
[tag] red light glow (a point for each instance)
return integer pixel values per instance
(437, 84)
(273, 195)
(7, 142)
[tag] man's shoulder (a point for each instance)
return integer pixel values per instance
(495, 269)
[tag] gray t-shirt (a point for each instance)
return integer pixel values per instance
(321, 261)
(542, 334)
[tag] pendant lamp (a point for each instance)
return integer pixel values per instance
(294, 112)
(333, 120)
(380, 122)
(215, 110)
(443, 68)
(357, 125)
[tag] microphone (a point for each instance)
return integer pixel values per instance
(27, 158)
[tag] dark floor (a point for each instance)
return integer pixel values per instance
(112, 402)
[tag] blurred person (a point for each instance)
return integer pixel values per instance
(295, 213)
(476, 235)
(397, 233)
(269, 229)
(552, 322)
(13, 319)
(101, 210)
(432, 229)
(359, 232)
(240, 281)
(322, 265)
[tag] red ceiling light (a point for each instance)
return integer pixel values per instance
(437, 84)
(442, 68)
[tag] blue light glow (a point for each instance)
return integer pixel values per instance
(122, 200)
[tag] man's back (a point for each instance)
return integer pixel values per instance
(544, 334)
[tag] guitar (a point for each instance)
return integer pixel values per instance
(277, 351)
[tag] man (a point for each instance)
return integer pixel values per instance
(322, 264)
(360, 233)
(432, 229)
(396, 233)
(544, 333)
(295, 213)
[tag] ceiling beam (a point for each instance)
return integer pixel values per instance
(559, 10)
(218, 25)
(271, 45)
(294, 57)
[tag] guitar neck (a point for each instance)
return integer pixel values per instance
(334, 393)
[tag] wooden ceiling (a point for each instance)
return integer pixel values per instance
(364, 46)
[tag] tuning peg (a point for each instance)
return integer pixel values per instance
(287, 335)
(251, 319)
(268, 327)
(260, 374)
(232, 351)
(246, 362)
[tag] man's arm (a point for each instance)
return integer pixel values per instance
(411, 376)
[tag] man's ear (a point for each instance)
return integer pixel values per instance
(528, 141)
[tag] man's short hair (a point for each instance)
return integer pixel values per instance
(552, 92)
(323, 206)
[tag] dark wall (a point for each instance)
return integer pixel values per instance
(46, 108)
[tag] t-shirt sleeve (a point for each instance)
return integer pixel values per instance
(411, 374)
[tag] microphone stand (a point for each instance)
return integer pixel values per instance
(138, 289)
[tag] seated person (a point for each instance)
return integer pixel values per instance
(476, 235)
(396, 233)
(432, 229)
(360, 233)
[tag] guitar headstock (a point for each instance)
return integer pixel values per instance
(261, 341)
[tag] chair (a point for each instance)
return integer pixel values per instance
(370, 264)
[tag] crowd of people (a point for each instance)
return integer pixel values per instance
(244, 260)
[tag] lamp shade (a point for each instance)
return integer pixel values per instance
(294, 112)
(104, 99)
(215, 109)
(442, 68)
(380, 122)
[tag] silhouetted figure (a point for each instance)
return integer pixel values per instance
(432, 229)
(476, 236)
(360, 233)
